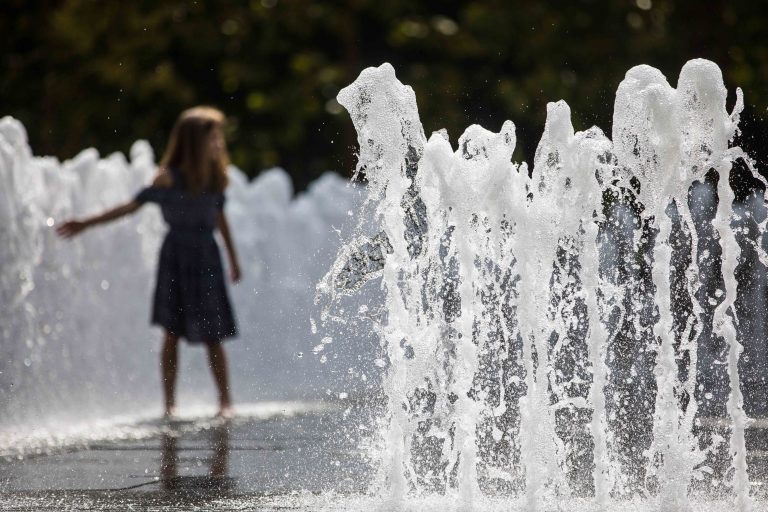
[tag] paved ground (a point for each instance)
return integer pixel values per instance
(200, 464)
(308, 461)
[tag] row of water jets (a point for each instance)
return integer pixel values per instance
(570, 330)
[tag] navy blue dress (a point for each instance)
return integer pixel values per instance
(191, 296)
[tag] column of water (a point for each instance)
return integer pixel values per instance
(724, 326)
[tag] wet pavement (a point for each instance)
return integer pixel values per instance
(200, 464)
(312, 460)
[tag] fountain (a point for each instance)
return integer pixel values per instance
(587, 334)
(552, 336)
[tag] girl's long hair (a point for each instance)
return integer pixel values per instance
(189, 151)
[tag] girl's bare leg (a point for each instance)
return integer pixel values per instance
(168, 363)
(218, 362)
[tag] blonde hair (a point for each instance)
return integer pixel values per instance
(189, 150)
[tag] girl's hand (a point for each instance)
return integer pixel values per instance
(71, 228)
(74, 227)
(234, 273)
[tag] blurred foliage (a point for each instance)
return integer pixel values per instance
(90, 73)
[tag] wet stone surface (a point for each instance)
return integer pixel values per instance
(194, 465)
(310, 461)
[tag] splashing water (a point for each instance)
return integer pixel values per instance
(549, 335)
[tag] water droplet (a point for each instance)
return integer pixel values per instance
(299, 354)
(49, 222)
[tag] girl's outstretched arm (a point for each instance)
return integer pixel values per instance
(74, 227)
(234, 264)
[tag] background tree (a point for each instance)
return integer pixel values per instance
(81, 73)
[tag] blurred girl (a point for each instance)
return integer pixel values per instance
(191, 297)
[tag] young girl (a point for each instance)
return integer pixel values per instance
(191, 297)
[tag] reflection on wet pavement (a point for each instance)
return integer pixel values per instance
(215, 482)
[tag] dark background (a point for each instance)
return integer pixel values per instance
(82, 73)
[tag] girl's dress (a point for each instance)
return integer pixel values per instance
(191, 296)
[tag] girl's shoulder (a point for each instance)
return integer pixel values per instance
(164, 178)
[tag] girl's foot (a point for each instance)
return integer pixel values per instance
(226, 412)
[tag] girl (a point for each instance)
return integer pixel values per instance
(191, 297)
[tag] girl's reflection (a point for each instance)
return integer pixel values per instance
(216, 480)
